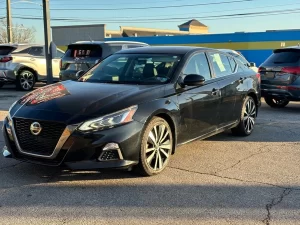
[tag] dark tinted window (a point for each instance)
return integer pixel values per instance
(221, 64)
(36, 51)
(198, 64)
(21, 51)
(232, 64)
(133, 68)
(84, 51)
(5, 50)
(284, 56)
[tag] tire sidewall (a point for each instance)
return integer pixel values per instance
(247, 99)
(147, 170)
(19, 86)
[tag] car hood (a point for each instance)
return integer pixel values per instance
(73, 102)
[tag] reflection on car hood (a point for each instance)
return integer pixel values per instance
(73, 102)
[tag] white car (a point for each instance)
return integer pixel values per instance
(241, 58)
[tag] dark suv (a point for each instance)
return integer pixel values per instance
(82, 55)
(280, 77)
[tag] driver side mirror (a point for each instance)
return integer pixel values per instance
(79, 74)
(252, 64)
(193, 80)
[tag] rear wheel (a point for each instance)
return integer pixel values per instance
(156, 147)
(276, 103)
(25, 81)
(247, 121)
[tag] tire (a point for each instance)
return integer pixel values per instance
(1, 84)
(276, 103)
(25, 80)
(247, 120)
(156, 147)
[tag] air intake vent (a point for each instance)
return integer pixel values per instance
(109, 155)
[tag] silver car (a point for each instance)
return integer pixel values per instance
(25, 64)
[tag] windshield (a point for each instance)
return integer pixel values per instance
(133, 69)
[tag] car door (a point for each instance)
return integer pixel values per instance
(225, 72)
(37, 57)
(199, 105)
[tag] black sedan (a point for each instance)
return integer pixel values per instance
(132, 109)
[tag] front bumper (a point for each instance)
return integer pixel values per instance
(82, 151)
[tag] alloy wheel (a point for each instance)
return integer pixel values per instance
(159, 147)
(249, 116)
(26, 80)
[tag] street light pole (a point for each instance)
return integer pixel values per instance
(8, 20)
(46, 17)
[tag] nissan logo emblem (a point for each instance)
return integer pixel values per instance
(35, 128)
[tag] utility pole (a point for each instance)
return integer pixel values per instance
(46, 17)
(8, 20)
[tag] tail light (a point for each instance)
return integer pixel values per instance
(258, 77)
(291, 70)
(6, 59)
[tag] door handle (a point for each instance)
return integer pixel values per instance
(214, 91)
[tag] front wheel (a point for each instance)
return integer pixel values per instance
(25, 81)
(276, 103)
(247, 120)
(156, 147)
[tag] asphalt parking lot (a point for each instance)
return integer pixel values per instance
(221, 180)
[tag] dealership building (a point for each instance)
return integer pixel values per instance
(64, 35)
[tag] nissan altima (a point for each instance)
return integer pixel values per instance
(133, 109)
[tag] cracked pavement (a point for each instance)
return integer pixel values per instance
(221, 180)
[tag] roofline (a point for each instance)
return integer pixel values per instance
(71, 26)
(122, 28)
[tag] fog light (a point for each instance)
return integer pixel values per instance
(6, 153)
(111, 151)
(110, 146)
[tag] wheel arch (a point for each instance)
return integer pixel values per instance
(22, 68)
(167, 116)
(253, 95)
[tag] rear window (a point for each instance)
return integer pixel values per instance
(284, 56)
(5, 50)
(84, 51)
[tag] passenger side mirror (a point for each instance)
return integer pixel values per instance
(193, 80)
(252, 64)
(79, 74)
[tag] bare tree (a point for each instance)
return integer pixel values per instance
(20, 34)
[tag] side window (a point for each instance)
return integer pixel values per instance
(198, 64)
(220, 64)
(36, 51)
(232, 64)
(24, 51)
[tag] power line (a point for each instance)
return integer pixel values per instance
(262, 13)
(229, 10)
(141, 8)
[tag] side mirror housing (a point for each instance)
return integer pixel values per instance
(79, 74)
(193, 80)
(252, 64)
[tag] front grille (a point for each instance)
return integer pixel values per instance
(41, 144)
(109, 155)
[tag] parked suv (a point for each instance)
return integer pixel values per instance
(280, 77)
(25, 64)
(82, 55)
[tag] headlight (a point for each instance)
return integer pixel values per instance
(117, 118)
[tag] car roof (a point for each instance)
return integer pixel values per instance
(161, 50)
(295, 48)
(228, 50)
(108, 42)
